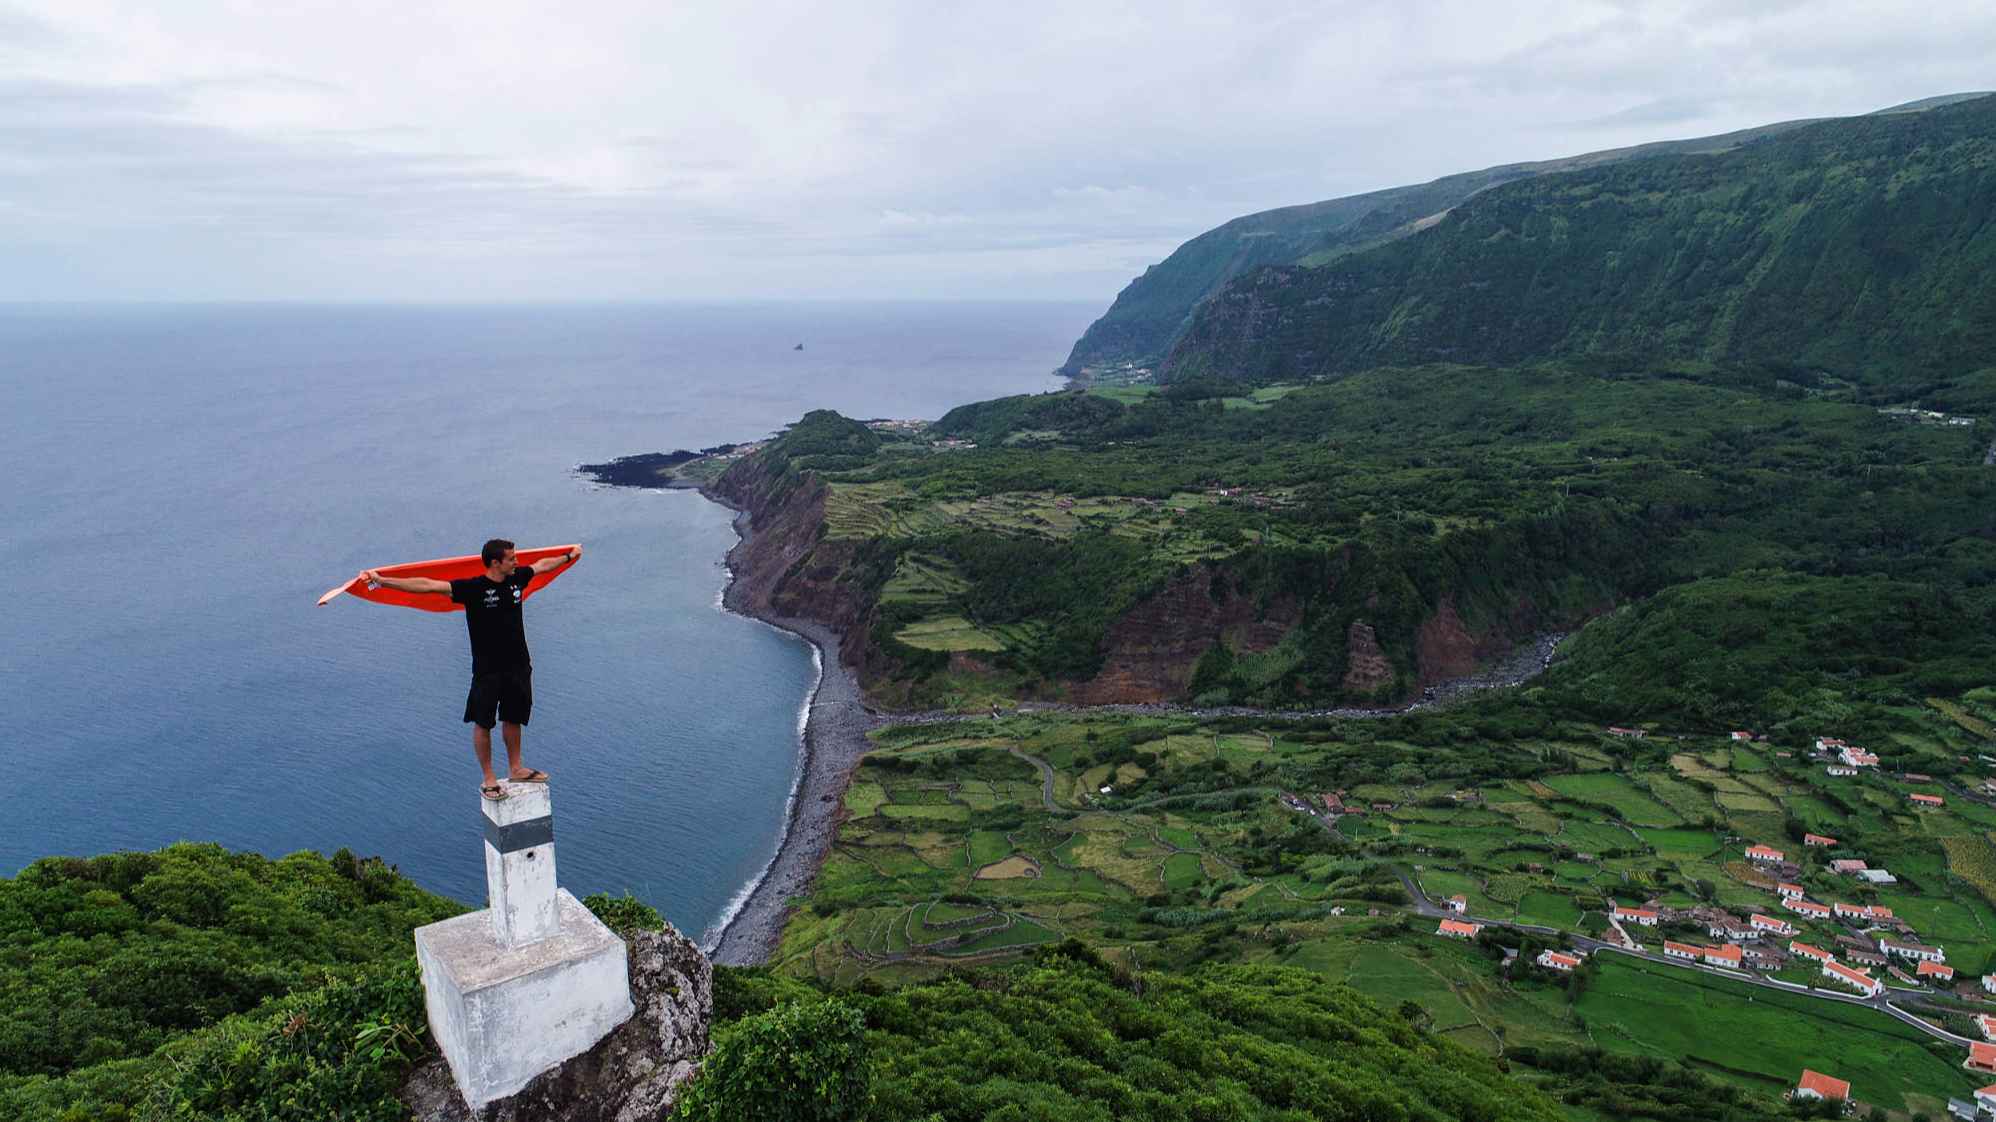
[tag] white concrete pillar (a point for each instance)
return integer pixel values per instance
(519, 865)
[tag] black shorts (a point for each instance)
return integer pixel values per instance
(507, 695)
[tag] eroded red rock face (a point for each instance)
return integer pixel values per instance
(1150, 652)
(1367, 669)
(1443, 647)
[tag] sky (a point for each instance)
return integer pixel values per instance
(768, 149)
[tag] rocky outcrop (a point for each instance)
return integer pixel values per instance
(635, 1074)
(1367, 669)
(1150, 652)
(1443, 647)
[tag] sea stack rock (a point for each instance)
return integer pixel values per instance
(533, 980)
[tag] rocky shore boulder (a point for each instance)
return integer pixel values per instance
(635, 1073)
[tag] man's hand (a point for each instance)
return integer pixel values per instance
(370, 576)
(575, 555)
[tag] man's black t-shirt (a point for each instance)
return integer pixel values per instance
(492, 614)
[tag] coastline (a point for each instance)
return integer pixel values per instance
(835, 726)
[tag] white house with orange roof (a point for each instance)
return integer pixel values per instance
(1819, 841)
(1845, 866)
(1828, 744)
(1456, 929)
(1981, 1057)
(1458, 904)
(1553, 960)
(1727, 956)
(1742, 736)
(1989, 983)
(1763, 853)
(1643, 917)
(1985, 1097)
(1858, 980)
(1918, 951)
(1926, 801)
(1682, 950)
(1938, 971)
(1987, 1024)
(1807, 907)
(1807, 951)
(1771, 925)
(1856, 757)
(1816, 1085)
(1789, 891)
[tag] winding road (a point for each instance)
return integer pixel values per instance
(1883, 1002)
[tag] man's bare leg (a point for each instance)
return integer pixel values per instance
(481, 743)
(514, 768)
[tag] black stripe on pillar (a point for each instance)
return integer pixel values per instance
(520, 835)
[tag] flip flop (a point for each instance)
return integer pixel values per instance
(494, 792)
(534, 775)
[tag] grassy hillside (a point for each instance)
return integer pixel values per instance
(1857, 249)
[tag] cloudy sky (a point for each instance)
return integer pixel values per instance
(596, 149)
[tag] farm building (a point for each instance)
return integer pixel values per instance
(1769, 923)
(1987, 1024)
(1727, 956)
(1642, 916)
(1938, 971)
(1846, 866)
(1763, 853)
(1789, 891)
(1458, 930)
(1981, 1057)
(1553, 960)
(1818, 840)
(1863, 983)
(1681, 950)
(1816, 1085)
(1917, 951)
(1926, 801)
(1817, 953)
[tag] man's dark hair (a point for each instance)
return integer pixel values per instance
(494, 551)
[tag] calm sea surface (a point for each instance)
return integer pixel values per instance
(182, 483)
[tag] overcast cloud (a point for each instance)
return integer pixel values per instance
(658, 150)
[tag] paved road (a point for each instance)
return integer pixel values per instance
(1883, 1002)
(1046, 778)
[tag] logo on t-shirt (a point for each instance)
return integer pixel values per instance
(516, 592)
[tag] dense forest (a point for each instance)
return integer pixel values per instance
(1860, 249)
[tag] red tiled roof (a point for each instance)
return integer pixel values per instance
(1982, 1055)
(1855, 977)
(1453, 927)
(1727, 953)
(1683, 948)
(1813, 952)
(1926, 967)
(1824, 1085)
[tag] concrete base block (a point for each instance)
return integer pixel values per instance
(503, 1015)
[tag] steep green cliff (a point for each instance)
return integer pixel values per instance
(1861, 249)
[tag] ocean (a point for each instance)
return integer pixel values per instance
(184, 481)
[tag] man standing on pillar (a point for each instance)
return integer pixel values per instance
(502, 675)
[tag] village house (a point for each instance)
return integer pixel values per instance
(1458, 930)
(1553, 960)
(1727, 956)
(1818, 840)
(1864, 957)
(1981, 1057)
(1632, 734)
(1917, 951)
(1856, 757)
(1789, 891)
(1829, 744)
(1807, 951)
(1681, 950)
(1927, 802)
(1987, 1024)
(1840, 771)
(1332, 803)
(1641, 916)
(1940, 972)
(1985, 1098)
(1765, 956)
(1458, 904)
(1816, 1085)
(1989, 983)
(1863, 983)
(1808, 908)
(1732, 932)
(1771, 924)
(1847, 866)
(1763, 853)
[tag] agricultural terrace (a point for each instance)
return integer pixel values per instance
(1171, 842)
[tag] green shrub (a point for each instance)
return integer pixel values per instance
(797, 1062)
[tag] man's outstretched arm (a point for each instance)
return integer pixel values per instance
(406, 584)
(549, 564)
